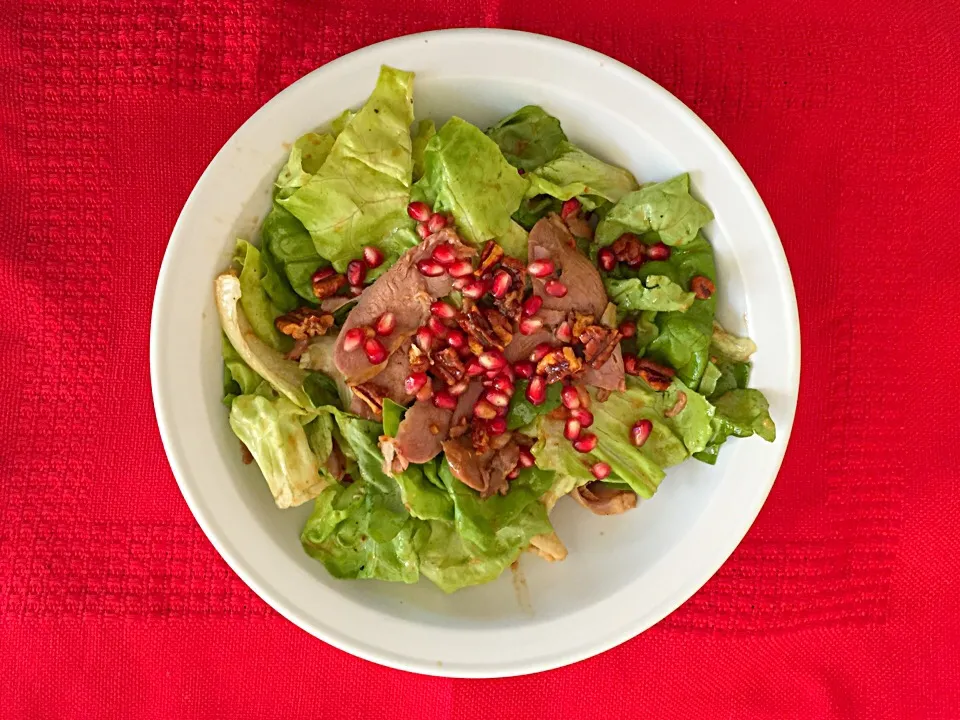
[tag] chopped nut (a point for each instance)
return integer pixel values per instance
(434, 429)
(328, 286)
(580, 323)
(480, 438)
(679, 405)
(628, 249)
(475, 323)
(511, 304)
(459, 429)
(447, 364)
(702, 287)
(491, 255)
(475, 346)
(371, 394)
(304, 323)
(419, 360)
(599, 344)
(655, 375)
(558, 364)
(500, 325)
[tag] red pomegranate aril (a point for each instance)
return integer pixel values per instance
(458, 389)
(515, 473)
(532, 305)
(375, 351)
(445, 254)
(356, 290)
(497, 426)
(630, 364)
(322, 274)
(484, 410)
(443, 399)
(442, 310)
(524, 369)
(628, 329)
(658, 251)
(540, 268)
(606, 259)
(508, 371)
(539, 351)
(569, 207)
(460, 268)
(385, 324)
(501, 283)
(583, 416)
(528, 326)
(464, 352)
(492, 360)
(526, 458)
(419, 211)
(426, 392)
(422, 231)
(475, 289)
(570, 397)
(436, 223)
(461, 283)
(537, 390)
(571, 429)
(564, 332)
(497, 398)
(585, 443)
(415, 382)
(353, 338)
(425, 338)
(372, 256)
(430, 268)
(640, 432)
(503, 383)
(437, 327)
(456, 338)
(474, 368)
(356, 272)
(555, 288)
(600, 470)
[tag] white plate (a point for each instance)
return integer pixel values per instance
(623, 573)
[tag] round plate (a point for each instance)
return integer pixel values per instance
(630, 570)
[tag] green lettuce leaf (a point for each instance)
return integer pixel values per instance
(273, 431)
(554, 452)
(666, 208)
(238, 378)
(729, 346)
(421, 497)
(392, 415)
(528, 138)
(306, 157)
(521, 412)
(708, 383)
(359, 195)
(425, 130)
(467, 176)
(739, 413)
(654, 292)
(575, 173)
(292, 250)
(257, 304)
(341, 122)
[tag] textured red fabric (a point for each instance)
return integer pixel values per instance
(843, 600)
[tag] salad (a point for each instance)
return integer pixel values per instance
(445, 330)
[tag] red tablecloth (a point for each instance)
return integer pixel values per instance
(843, 600)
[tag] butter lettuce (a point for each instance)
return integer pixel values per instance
(528, 138)
(238, 377)
(425, 130)
(654, 292)
(739, 413)
(306, 157)
(575, 173)
(258, 306)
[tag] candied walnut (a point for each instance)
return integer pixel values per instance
(628, 249)
(304, 323)
(480, 437)
(678, 406)
(500, 325)
(511, 304)
(325, 286)
(372, 395)
(478, 329)
(516, 267)
(476, 347)
(657, 376)
(447, 364)
(491, 255)
(460, 429)
(419, 360)
(580, 323)
(702, 287)
(598, 344)
(559, 364)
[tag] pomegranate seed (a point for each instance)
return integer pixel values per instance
(430, 268)
(456, 338)
(503, 383)
(555, 288)
(425, 338)
(640, 432)
(583, 416)
(464, 352)
(633, 265)
(437, 327)
(484, 410)
(510, 374)
(419, 211)
(539, 351)
(474, 368)
(426, 392)
(444, 400)
(540, 268)
(501, 283)
(537, 390)
(352, 338)
(497, 426)
(422, 231)
(628, 329)
(475, 289)
(492, 360)
(606, 259)
(569, 207)
(415, 382)
(570, 397)
(385, 324)
(526, 458)
(528, 326)
(356, 272)
(356, 291)
(461, 283)
(515, 473)
(571, 430)
(458, 389)
(531, 305)
(460, 268)
(658, 251)
(497, 398)
(585, 443)
(436, 223)
(372, 256)
(375, 351)
(445, 254)
(322, 274)
(443, 310)
(600, 470)
(630, 364)
(524, 369)
(564, 332)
